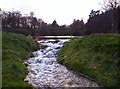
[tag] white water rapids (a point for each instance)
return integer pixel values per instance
(45, 71)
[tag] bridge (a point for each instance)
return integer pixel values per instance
(57, 37)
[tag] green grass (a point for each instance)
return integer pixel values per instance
(15, 49)
(96, 56)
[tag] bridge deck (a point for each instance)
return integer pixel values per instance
(57, 37)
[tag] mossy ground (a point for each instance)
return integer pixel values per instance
(96, 56)
(15, 49)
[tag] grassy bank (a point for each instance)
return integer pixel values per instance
(96, 56)
(15, 49)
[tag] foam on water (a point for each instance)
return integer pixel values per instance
(44, 70)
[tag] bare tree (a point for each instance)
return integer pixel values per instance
(110, 4)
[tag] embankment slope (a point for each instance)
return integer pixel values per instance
(15, 49)
(96, 56)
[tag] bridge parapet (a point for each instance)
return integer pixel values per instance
(57, 37)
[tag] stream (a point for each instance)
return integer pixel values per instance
(45, 71)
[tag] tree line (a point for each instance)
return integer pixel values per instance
(107, 21)
(103, 22)
(15, 22)
(98, 22)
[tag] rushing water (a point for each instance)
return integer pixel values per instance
(45, 71)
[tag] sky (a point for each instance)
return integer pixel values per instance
(63, 11)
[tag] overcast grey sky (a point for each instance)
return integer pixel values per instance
(63, 11)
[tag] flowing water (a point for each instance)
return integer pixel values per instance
(45, 71)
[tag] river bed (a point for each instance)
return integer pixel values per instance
(45, 71)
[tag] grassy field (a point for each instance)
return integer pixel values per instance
(15, 49)
(96, 56)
